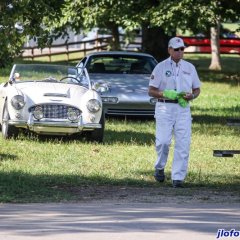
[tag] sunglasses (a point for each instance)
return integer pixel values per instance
(177, 49)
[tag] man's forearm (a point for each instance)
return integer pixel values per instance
(196, 92)
(154, 92)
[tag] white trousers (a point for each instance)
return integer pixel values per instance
(172, 119)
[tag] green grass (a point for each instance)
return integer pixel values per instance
(58, 58)
(233, 27)
(39, 170)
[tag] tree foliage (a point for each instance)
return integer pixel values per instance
(45, 20)
(159, 19)
(104, 14)
(33, 16)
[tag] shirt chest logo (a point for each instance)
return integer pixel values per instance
(187, 73)
(168, 73)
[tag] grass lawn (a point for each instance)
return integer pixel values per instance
(39, 170)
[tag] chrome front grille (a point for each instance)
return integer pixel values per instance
(56, 111)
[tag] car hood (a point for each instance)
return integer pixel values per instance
(124, 83)
(42, 91)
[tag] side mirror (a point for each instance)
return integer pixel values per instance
(100, 87)
(16, 77)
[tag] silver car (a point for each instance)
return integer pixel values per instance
(126, 76)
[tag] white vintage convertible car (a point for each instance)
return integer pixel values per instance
(51, 100)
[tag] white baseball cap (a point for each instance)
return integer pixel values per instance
(176, 42)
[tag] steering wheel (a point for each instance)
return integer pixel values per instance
(67, 77)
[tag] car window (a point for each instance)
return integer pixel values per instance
(120, 64)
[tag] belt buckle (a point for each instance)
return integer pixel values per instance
(161, 100)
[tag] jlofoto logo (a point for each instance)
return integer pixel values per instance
(222, 233)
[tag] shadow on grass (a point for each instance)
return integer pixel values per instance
(212, 122)
(215, 131)
(232, 79)
(143, 137)
(7, 156)
(228, 111)
(209, 119)
(23, 187)
(139, 138)
(228, 75)
(110, 137)
(206, 116)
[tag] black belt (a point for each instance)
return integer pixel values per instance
(167, 100)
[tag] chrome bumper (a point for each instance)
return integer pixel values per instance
(54, 126)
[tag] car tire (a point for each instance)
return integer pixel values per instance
(97, 135)
(8, 131)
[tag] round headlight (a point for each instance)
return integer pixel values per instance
(38, 113)
(18, 102)
(72, 114)
(93, 105)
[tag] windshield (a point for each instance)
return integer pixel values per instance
(121, 64)
(48, 73)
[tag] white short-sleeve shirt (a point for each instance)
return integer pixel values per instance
(181, 77)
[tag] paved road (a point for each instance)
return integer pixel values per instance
(116, 221)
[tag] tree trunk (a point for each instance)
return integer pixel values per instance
(155, 42)
(216, 60)
(115, 42)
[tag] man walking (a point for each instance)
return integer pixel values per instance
(174, 82)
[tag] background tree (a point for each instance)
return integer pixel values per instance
(158, 20)
(196, 15)
(32, 16)
(11, 41)
(46, 20)
(112, 14)
(104, 14)
(221, 11)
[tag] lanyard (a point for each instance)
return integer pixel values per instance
(175, 74)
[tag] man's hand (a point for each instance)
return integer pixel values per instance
(182, 101)
(181, 95)
(170, 94)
